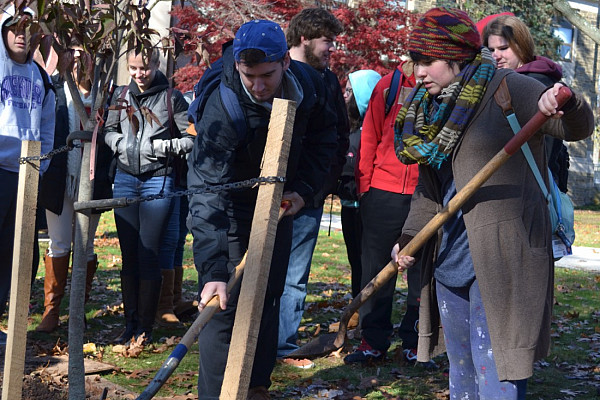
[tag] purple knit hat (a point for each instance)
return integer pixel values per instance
(445, 34)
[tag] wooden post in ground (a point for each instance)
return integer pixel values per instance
(260, 252)
(14, 359)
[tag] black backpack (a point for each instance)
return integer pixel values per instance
(48, 86)
(211, 80)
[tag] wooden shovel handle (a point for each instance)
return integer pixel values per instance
(451, 208)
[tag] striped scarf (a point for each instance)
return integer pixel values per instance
(430, 139)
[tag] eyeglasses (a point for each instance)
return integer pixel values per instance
(348, 91)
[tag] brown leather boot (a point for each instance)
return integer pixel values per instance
(55, 281)
(181, 307)
(92, 266)
(165, 314)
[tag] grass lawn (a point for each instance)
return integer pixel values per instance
(572, 371)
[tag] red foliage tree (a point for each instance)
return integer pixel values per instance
(376, 32)
(205, 25)
(375, 37)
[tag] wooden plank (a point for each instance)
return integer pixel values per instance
(59, 365)
(260, 251)
(14, 361)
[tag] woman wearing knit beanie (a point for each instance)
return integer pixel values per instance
(487, 278)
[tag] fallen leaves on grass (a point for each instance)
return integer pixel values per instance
(131, 350)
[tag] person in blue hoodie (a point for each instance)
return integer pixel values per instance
(357, 93)
(26, 113)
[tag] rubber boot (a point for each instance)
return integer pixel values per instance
(92, 266)
(147, 306)
(165, 315)
(55, 281)
(130, 292)
(181, 307)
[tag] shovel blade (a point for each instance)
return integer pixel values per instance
(318, 347)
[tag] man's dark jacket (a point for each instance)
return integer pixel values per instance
(220, 155)
(337, 102)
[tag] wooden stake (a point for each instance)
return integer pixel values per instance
(260, 251)
(14, 361)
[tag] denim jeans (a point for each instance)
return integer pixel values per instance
(304, 240)
(140, 226)
(173, 242)
(184, 209)
(168, 245)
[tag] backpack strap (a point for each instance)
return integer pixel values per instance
(122, 97)
(172, 128)
(502, 97)
(45, 78)
(390, 99)
(234, 109)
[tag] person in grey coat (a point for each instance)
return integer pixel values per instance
(487, 276)
(145, 149)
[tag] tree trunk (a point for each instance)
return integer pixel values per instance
(577, 20)
(78, 274)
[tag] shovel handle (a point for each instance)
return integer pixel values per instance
(451, 208)
(513, 145)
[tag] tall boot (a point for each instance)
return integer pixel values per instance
(165, 315)
(147, 306)
(92, 266)
(181, 307)
(130, 293)
(55, 281)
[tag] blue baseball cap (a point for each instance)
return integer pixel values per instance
(263, 35)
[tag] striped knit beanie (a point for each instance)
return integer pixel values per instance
(445, 34)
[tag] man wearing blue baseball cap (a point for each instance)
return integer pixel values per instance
(257, 68)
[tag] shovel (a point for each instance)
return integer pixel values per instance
(328, 343)
(211, 308)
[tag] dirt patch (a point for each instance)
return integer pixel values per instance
(45, 378)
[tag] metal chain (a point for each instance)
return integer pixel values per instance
(63, 149)
(249, 183)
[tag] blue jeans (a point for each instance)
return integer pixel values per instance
(304, 240)
(184, 209)
(473, 372)
(170, 240)
(140, 226)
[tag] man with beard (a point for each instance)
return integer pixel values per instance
(311, 36)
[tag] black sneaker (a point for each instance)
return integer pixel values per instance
(364, 354)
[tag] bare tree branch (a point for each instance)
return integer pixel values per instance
(577, 20)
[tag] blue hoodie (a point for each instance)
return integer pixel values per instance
(26, 111)
(363, 82)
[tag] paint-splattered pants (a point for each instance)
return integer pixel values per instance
(473, 372)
